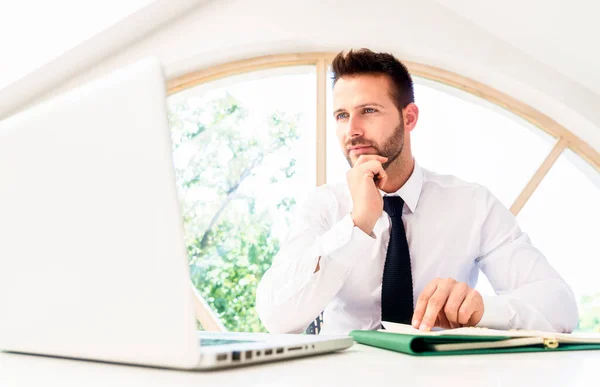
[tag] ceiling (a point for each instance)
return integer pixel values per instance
(561, 34)
(540, 52)
(32, 39)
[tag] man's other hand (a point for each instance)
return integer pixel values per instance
(446, 303)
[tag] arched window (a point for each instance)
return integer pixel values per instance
(252, 137)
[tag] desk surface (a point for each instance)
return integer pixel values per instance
(359, 365)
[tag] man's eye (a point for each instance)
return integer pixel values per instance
(341, 116)
(369, 110)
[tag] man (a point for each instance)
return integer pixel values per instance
(397, 242)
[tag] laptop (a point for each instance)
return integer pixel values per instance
(93, 263)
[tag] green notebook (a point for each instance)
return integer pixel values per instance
(468, 341)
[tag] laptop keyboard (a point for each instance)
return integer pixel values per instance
(206, 341)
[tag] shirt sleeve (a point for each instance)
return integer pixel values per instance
(290, 294)
(530, 293)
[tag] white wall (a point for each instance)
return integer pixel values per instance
(421, 31)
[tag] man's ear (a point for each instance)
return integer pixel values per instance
(410, 114)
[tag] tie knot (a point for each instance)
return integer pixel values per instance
(393, 205)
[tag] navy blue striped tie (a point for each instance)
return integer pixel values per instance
(397, 286)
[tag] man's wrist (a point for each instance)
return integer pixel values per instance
(366, 228)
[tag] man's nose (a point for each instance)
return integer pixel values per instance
(355, 128)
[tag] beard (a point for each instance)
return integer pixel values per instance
(391, 148)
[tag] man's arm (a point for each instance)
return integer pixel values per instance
(293, 292)
(323, 247)
(530, 292)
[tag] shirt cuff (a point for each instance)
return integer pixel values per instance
(496, 313)
(345, 243)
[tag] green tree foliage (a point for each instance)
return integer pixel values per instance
(223, 167)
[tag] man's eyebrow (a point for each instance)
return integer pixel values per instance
(369, 104)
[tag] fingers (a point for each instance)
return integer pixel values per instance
(382, 178)
(442, 321)
(364, 158)
(422, 301)
(447, 303)
(373, 168)
(454, 303)
(435, 305)
(373, 165)
(471, 310)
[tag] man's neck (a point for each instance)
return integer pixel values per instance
(398, 173)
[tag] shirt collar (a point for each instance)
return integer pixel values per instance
(411, 190)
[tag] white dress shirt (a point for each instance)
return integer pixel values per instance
(453, 229)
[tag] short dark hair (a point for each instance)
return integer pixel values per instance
(365, 61)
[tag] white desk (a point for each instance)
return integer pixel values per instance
(357, 366)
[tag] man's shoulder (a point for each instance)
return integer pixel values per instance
(327, 203)
(336, 187)
(328, 193)
(450, 183)
(458, 193)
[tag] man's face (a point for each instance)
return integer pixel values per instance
(367, 120)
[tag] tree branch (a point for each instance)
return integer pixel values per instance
(230, 196)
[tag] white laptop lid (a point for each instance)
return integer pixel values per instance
(92, 259)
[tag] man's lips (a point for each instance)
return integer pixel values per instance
(360, 149)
